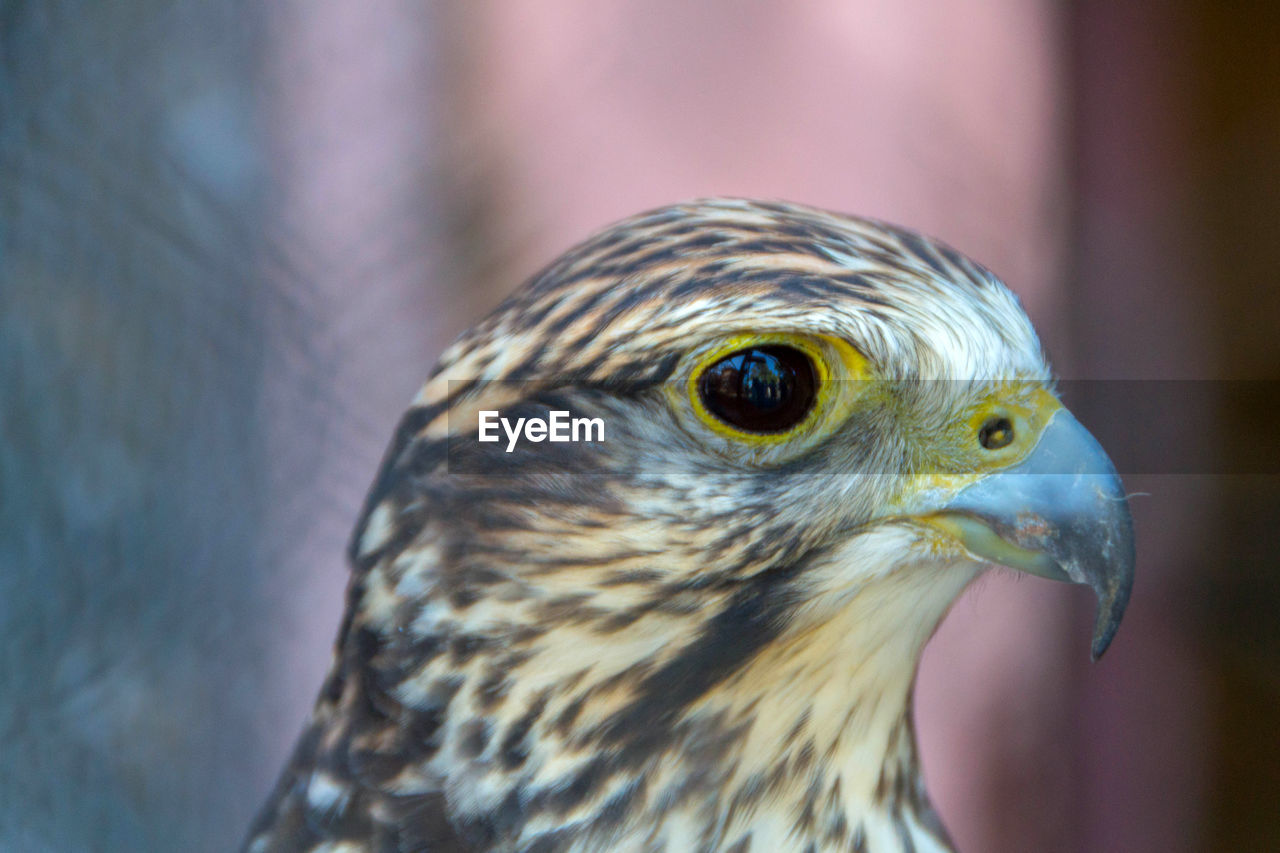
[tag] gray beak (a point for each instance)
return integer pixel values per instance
(1060, 513)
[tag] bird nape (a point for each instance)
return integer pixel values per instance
(652, 558)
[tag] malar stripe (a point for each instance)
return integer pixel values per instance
(750, 621)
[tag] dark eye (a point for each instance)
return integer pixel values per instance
(996, 433)
(766, 389)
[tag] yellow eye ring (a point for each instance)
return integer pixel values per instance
(832, 361)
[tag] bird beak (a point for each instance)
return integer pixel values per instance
(1059, 513)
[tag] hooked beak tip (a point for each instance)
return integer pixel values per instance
(1112, 589)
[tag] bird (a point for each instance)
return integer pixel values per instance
(695, 623)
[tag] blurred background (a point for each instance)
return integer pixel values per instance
(234, 235)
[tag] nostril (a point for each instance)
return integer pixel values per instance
(996, 433)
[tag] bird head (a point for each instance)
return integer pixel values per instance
(703, 623)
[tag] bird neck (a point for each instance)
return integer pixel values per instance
(827, 742)
(807, 742)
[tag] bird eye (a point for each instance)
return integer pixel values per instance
(764, 389)
(996, 433)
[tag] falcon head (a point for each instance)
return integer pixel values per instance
(699, 629)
